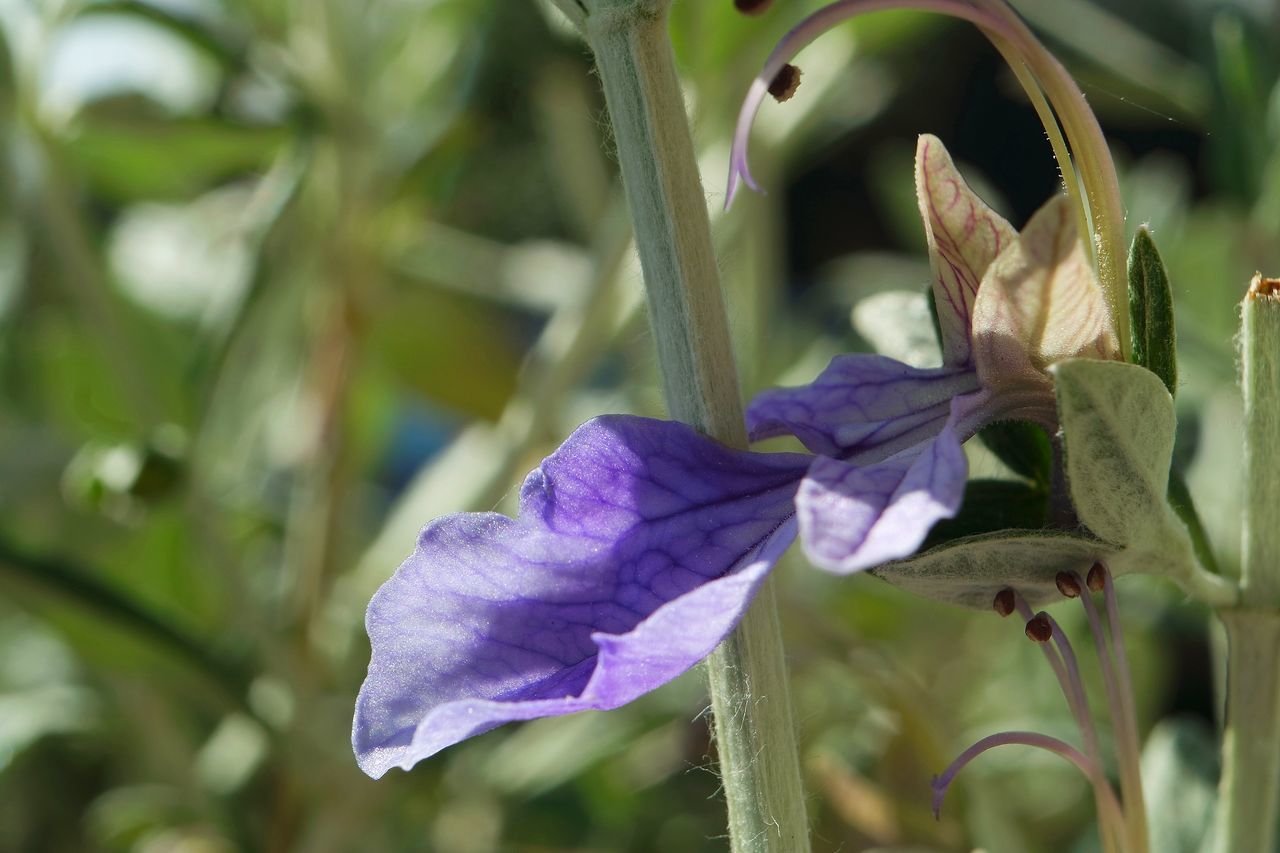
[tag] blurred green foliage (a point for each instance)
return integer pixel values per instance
(282, 279)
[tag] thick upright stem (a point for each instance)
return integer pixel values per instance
(673, 231)
(1260, 378)
(755, 731)
(1249, 793)
(1249, 796)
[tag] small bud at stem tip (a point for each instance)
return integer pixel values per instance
(1260, 286)
(1005, 602)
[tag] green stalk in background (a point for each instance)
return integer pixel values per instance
(754, 726)
(1249, 793)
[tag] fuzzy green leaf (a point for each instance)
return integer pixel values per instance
(970, 571)
(1151, 322)
(1118, 423)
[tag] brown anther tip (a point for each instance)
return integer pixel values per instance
(1097, 579)
(752, 7)
(1004, 602)
(1260, 286)
(1067, 585)
(785, 83)
(1040, 629)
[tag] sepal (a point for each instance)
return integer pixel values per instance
(1118, 425)
(1118, 428)
(970, 571)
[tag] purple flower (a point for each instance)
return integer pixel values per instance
(639, 543)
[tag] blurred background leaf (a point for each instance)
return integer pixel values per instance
(282, 279)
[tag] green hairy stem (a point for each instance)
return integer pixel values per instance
(754, 726)
(1249, 794)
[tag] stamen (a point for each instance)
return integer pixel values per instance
(1074, 698)
(1074, 684)
(804, 33)
(1068, 672)
(1097, 578)
(752, 7)
(1129, 754)
(1108, 803)
(1126, 738)
(1038, 629)
(1004, 602)
(1068, 585)
(1104, 658)
(785, 83)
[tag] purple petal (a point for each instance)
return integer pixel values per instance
(638, 546)
(862, 408)
(856, 517)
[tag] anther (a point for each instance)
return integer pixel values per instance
(785, 83)
(1067, 585)
(1005, 602)
(1097, 579)
(752, 7)
(1040, 629)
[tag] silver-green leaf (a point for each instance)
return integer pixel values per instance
(1118, 426)
(1118, 423)
(971, 570)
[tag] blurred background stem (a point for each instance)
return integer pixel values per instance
(87, 286)
(83, 586)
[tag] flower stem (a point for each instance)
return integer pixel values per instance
(1249, 794)
(754, 727)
